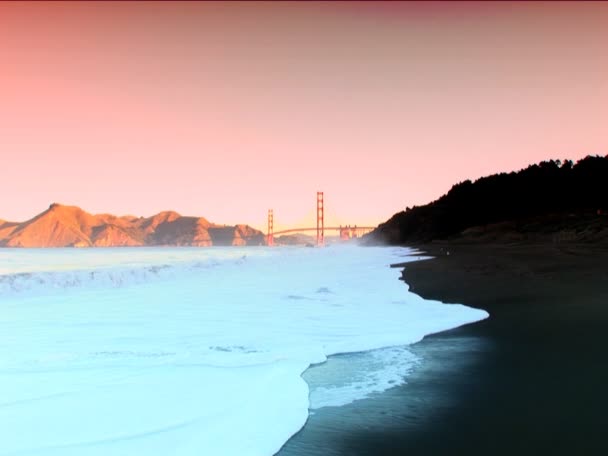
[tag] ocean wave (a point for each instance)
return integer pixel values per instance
(104, 277)
(100, 361)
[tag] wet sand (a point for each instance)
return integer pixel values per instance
(543, 387)
(532, 379)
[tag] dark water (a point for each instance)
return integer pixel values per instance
(387, 423)
(530, 380)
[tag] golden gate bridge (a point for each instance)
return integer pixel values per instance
(346, 232)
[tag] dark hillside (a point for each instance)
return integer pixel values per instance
(562, 191)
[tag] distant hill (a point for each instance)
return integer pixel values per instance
(552, 199)
(70, 226)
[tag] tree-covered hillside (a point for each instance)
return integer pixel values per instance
(549, 188)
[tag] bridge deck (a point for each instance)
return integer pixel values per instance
(327, 228)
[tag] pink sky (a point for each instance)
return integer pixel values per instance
(227, 110)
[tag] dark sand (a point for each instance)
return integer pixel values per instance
(532, 379)
(543, 390)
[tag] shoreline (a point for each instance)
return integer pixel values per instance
(528, 380)
(541, 389)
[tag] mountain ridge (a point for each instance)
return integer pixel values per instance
(70, 226)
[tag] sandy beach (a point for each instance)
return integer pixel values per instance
(541, 389)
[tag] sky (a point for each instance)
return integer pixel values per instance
(225, 110)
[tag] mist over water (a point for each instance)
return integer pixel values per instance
(197, 351)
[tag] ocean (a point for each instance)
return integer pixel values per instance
(190, 351)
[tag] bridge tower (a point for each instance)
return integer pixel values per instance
(320, 221)
(270, 235)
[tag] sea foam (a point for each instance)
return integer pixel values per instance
(196, 351)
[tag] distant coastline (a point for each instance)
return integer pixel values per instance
(70, 226)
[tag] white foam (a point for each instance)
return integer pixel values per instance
(196, 360)
(348, 378)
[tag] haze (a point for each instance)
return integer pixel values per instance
(225, 110)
